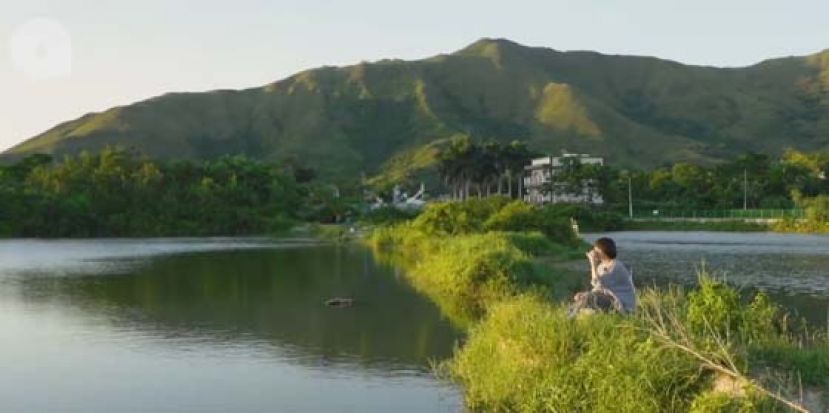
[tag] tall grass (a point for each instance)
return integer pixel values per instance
(523, 354)
(466, 273)
(527, 356)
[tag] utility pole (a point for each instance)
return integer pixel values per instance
(630, 198)
(745, 189)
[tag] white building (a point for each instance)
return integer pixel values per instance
(542, 186)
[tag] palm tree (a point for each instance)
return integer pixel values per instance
(516, 156)
(489, 165)
(456, 165)
(463, 164)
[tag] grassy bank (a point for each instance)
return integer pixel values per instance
(672, 356)
(481, 262)
(465, 273)
(467, 256)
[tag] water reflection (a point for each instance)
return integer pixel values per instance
(250, 304)
(266, 297)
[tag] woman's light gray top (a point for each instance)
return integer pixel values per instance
(617, 279)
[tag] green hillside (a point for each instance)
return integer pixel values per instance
(637, 111)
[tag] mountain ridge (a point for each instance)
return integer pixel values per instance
(349, 120)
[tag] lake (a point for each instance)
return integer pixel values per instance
(240, 325)
(214, 325)
(792, 268)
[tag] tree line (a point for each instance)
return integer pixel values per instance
(117, 193)
(469, 168)
(751, 180)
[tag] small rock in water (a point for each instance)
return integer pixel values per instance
(339, 302)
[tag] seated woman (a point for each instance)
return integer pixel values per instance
(612, 282)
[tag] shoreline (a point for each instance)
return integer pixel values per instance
(517, 288)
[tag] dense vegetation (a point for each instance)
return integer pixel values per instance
(117, 193)
(705, 350)
(636, 111)
(796, 181)
(770, 183)
(467, 254)
(759, 181)
(114, 193)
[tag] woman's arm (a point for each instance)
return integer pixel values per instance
(594, 269)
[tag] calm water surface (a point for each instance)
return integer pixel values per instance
(213, 325)
(793, 268)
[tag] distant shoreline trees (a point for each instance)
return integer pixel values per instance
(115, 193)
(755, 180)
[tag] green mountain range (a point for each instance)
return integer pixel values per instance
(348, 121)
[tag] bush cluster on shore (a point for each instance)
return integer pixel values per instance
(476, 259)
(817, 216)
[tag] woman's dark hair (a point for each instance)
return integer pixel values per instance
(607, 246)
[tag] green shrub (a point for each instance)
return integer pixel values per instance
(403, 239)
(816, 219)
(447, 218)
(493, 214)
(761, 319)
(453, 218)
(559, 229)
(588, 218)
(817, 209)
(717, 307)
(714, 305)
(521, 216)
(515, 216)
(533, 243)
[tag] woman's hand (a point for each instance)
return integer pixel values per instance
(592, 257)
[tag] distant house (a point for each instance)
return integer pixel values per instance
(551, 180)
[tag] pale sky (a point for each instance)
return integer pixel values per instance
(122, 52)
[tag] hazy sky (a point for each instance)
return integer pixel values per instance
(122, 52)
